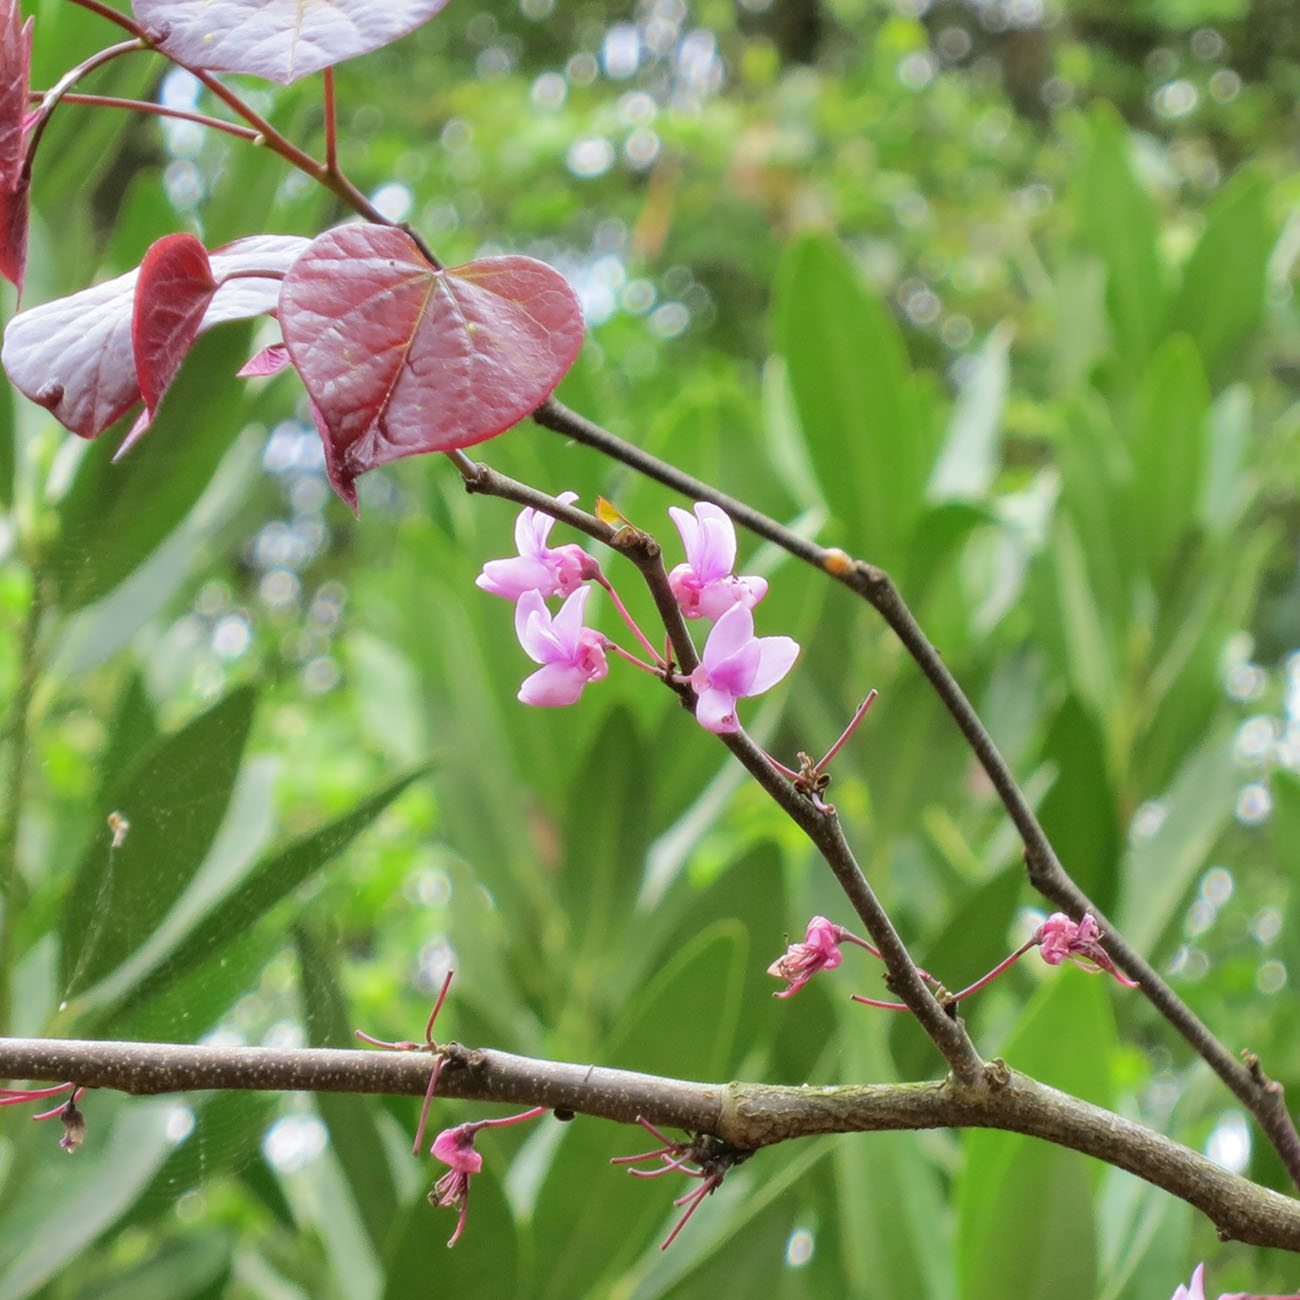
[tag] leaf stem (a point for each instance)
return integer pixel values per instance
(331, 124)
(157, 110)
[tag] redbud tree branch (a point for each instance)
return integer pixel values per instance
(746, 1116)
(820, 825)
(1246, 1080)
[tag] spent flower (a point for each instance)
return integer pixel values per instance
(705, 586)
(455, 1148)
(820, 950)
(1060, 939)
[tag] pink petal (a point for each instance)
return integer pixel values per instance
(533, 628)
(716, 710)
(455, 1147)
(568, 621)
(511, 578)
(554, 685)
(716, 556)
(732, 631)
(776, 657)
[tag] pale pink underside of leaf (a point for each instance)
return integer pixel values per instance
(281, 40)
(269, 361)
(401, 358)
(172, 292)
(74, 355)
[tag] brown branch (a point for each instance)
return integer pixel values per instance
(747, 1116)
(1247, 1081)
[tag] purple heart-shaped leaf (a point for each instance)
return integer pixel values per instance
(401, 357)
(281, 40)
(75, 355)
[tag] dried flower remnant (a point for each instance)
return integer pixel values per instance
(705, 586)
(74, 1122)
(801, 961)
(711, 1157)
(455, 1148)
(1059, 938)
(550, 571)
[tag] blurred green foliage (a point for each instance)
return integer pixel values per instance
(998, 295)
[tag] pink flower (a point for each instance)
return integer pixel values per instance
(736, 664)
(455, 1147)
(801, 961)
(704, 586)
(1059, 938)
(554, 571)
(571, 655)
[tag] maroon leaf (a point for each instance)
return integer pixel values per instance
(75, 355)
(172, 293)
(269, 361)
(281, 40)
(400, 357)
(15, 68)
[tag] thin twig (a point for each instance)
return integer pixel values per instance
(146, 106)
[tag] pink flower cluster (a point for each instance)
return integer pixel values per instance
(735, 663)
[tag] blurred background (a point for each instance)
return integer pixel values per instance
(999, 295)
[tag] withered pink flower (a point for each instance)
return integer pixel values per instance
(455, 1147)
(801, 961)
(1059, 938)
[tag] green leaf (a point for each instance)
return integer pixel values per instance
(174, 798)
(183, 1269)
(1168, 447)
(354, 1133)
(1221, 299)
(1116, 217)
(606, 836)
(865, 418)
(972, 445)
(1078, 812)
(114, 516)
(272, 880)
(1009, 1182)
(1159, 868)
